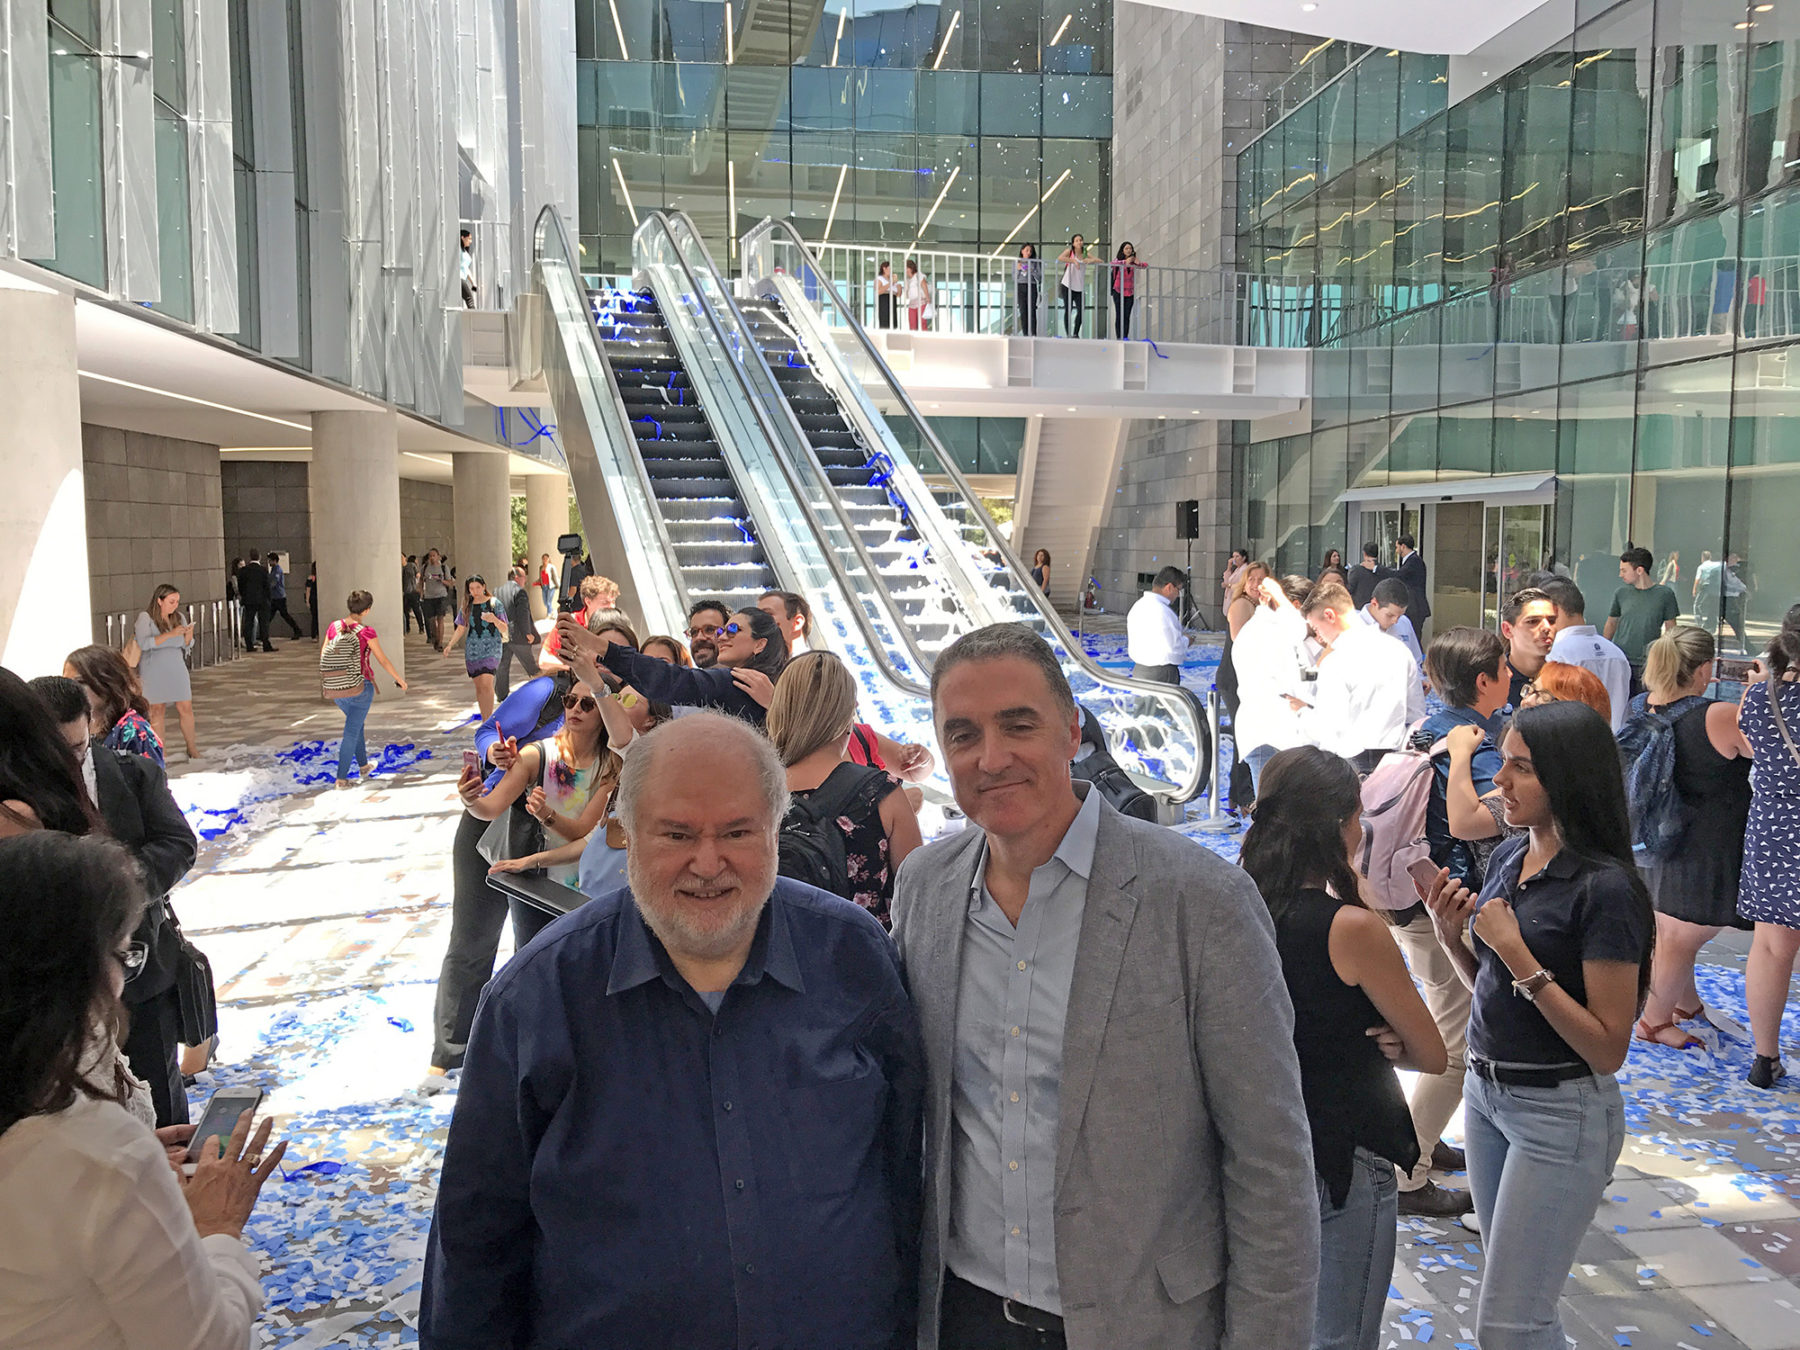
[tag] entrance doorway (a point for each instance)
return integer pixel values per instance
(1477, 550)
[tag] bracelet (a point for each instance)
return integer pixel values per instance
(1533, 985)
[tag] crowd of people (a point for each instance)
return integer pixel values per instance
(768, 1066)
(907, 299)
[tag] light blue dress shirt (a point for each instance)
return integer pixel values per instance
(1012, 1000)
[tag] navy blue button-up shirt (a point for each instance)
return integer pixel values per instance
(627, 1168)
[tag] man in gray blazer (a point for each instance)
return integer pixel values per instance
(1116, 1149)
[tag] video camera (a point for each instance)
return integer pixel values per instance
(575, 570)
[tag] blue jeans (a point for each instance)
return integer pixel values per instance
(356, 712)
(1540, 1159)
(1356, 1256)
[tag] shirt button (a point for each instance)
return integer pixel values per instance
(718, 1029)
(728, 1106)
(740, 1183)
(1015, 1232)
(749, 1268)
(1015, 1031)
(1013, 1166)
(1015, 1096)
(1021, 965)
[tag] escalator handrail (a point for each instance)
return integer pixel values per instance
(770, 226)
(550, 224)
(877, 648)
(805, 451)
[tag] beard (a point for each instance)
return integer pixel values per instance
(704, 652)
(699, 932)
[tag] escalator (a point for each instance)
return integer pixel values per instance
(716, 549)
(858, 476)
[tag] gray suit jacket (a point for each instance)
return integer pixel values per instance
(1186, 1210)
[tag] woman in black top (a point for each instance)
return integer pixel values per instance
(1355, 1009)
(752, 652)
(1559, 962)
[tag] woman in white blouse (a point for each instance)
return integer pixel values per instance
(104, 1245)
(917, 295)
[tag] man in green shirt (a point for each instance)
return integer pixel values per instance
(1642, 611)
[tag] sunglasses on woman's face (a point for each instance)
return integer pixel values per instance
(131, 958)
(585, 702)
(732, 629)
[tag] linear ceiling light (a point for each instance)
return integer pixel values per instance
(430, 459)
(731, 193)
(843, 170)
(200, 402)
(618, 28)
(1061, 28)
(939, 202)
(627, 191)
(843, 14)
(1034, 210)
(730, 54)
(955, 19)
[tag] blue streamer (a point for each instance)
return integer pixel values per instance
(325, 1168)
(1158, 350)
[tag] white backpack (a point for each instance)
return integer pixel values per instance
(340, 664)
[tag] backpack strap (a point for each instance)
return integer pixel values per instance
(868, 745)
(840, 790)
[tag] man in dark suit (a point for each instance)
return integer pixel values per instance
(1368, 574)
(134, 800)
(257, 599)
(1412, 572)
(521, 630)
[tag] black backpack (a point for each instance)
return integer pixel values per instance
(1116, 787)
(812, 847)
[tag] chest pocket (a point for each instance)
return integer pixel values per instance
(835, 1127)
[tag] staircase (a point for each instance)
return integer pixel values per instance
(916, 584)
(716, 549)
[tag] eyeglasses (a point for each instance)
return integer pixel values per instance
(131, 958)
(732, 629)
(704, 630)
(583, 701)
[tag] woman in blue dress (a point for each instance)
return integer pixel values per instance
(481, 628)
(163, 641)
(1769, 885)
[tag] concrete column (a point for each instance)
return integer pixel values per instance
(354, 485)
(483, 516)
(45, 607)
(546, 517)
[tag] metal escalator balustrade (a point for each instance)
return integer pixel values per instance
(716, 548)
(1157, 733)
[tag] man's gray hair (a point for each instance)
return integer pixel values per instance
(715, 729)
(999, 640)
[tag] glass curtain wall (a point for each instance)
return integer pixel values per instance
(870, 121)
(1589, 268)
(75, 170)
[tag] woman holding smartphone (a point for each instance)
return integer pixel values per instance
(1552, 1012)
(1356, 1015)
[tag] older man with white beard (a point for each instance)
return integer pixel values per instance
(690, 1111)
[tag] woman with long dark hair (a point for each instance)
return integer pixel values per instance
(1557, 950)
(1124, 269)
(1028, 279)
(1356, 1015)
(121, 714)
(752, 652)
(886, 288)
(147, 1256)
(40, 781)
(1769, 893)
(481, 627)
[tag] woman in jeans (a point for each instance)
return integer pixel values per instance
(1552, 1012)
(1356, 1015)
(356, 707)
(1029, 277)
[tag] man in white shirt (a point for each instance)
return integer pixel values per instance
(1578, 643)
(1386, 610)
(1368, 694)
(1154, 637)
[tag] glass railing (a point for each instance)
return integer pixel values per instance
(1156, 732)
(627, 537)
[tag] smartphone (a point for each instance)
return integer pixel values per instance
(1424, 871)
(1732, 669)
(471, 760)
(221, 1117)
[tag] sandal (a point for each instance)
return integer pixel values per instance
(1653, 1035)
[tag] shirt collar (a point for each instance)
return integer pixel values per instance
(1580, 630)
(1075, 852)
(1469, 717)
(640, 956)
(1160, 596)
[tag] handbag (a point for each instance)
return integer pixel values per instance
(515, 832)
(194, 989)
(927, 314)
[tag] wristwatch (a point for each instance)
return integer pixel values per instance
(1533, 985)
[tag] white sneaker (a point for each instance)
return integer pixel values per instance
(1471, 1221)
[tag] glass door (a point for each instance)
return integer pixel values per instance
(1514, 540)
(1456, 565)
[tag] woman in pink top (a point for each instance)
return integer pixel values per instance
(356, 707)
(1124, 286)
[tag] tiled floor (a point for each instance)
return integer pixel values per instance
(325, 914)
